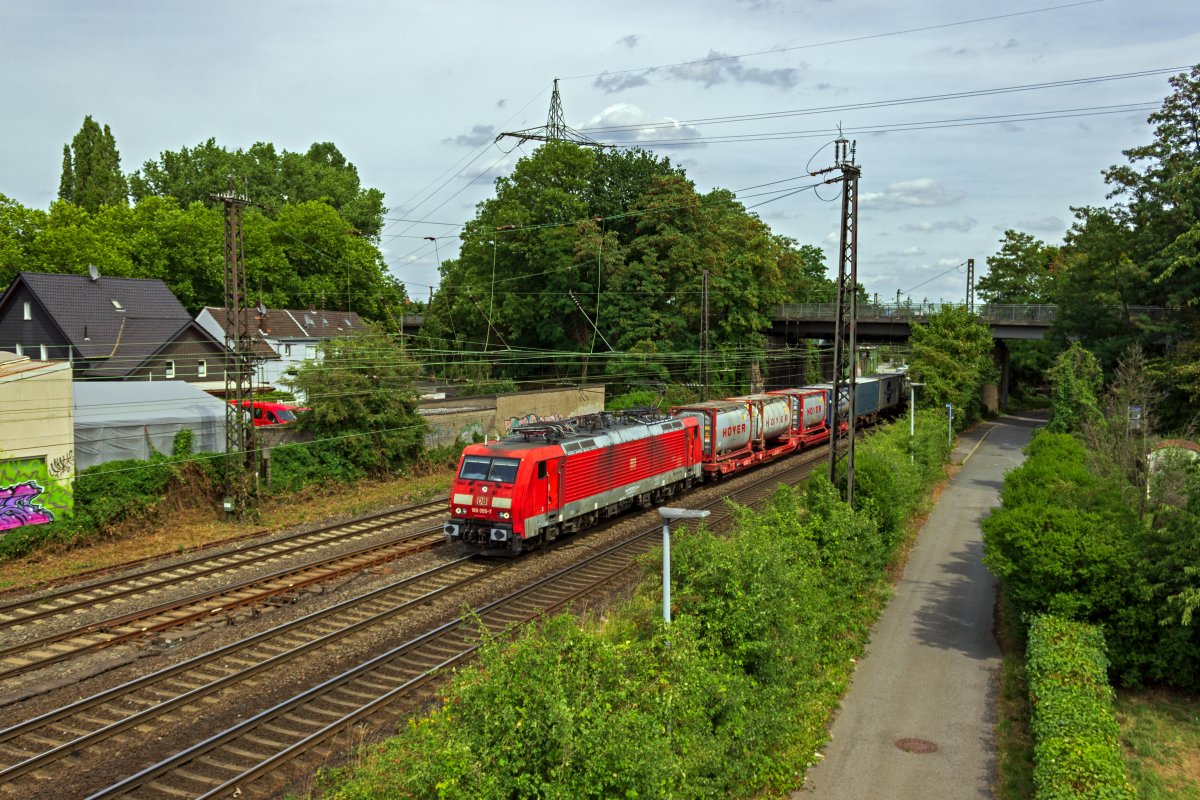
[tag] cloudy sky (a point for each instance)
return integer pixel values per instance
(970, 118)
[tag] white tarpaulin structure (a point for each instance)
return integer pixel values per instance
(124, 419)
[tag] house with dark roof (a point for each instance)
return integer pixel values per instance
(123, 329)
(292, 336)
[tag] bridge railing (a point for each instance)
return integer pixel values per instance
(894, 312)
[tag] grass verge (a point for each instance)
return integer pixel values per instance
(1160, 736)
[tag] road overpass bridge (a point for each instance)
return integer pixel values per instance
(891, 322)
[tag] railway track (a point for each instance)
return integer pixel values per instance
(36, 651)
(312, 721)
(107, 719)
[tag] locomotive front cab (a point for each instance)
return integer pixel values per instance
(485, 511)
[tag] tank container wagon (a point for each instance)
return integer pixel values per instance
(810, 415)
(547, 479)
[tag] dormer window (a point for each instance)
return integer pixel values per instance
(170, 370)
(117, 304)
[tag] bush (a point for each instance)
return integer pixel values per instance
(1077, 751)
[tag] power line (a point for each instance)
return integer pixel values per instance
(828, 43)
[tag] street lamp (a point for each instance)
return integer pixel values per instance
(912, 420)
(436, 254)
(669, 514)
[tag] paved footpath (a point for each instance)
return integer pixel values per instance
(929, 673)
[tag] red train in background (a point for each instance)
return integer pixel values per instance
(547, 479)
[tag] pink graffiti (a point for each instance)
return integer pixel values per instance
(17, 507)
(529, 418)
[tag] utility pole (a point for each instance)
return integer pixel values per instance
(970, 286)
(241, 452)
(845, 336)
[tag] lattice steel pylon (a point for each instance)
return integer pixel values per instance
(241, 451)
(555, 129)
(845, 336)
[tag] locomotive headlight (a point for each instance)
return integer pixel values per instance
(504, 515)
(458, 511)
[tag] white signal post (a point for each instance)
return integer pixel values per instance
(912, 420)
(669, 514)
(949, 425)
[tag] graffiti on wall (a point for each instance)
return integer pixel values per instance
(17, 506)
(528, 418)
(30, 494)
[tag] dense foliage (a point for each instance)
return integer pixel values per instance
(603, 254)
(730, 701)
(952, 355)
(1077, 750)
(362, 403)
(1069, 541)
(1075, 384)
(310, 236)
(305, 255)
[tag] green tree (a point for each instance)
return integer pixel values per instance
(91, 169)
(952, 355)
(362, 401)
(273, 179)
(1075, 383)
(1019, 272)
(582, 251)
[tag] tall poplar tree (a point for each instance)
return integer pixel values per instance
(91, 170)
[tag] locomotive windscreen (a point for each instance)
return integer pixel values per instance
(482, 468)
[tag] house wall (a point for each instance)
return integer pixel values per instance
(37, 445)
(187, 351)
(30, 334)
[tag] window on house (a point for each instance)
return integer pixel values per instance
(287, 349)
(170, 369)
(44, 352)
(28, 310)
(310, 351)
(202, 368)
(117, 305)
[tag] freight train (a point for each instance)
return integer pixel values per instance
(547, 479)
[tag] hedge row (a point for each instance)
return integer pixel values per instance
(731, 700)
(1077, 752)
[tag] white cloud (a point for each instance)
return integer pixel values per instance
(1046, 224)
(628, 124)
(919, 193)
(961, 225)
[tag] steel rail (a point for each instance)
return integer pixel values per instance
(465, 571)
(71, 643)
(20, 612)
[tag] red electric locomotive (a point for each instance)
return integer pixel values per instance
(546, 479)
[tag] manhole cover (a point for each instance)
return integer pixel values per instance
(913, 745)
